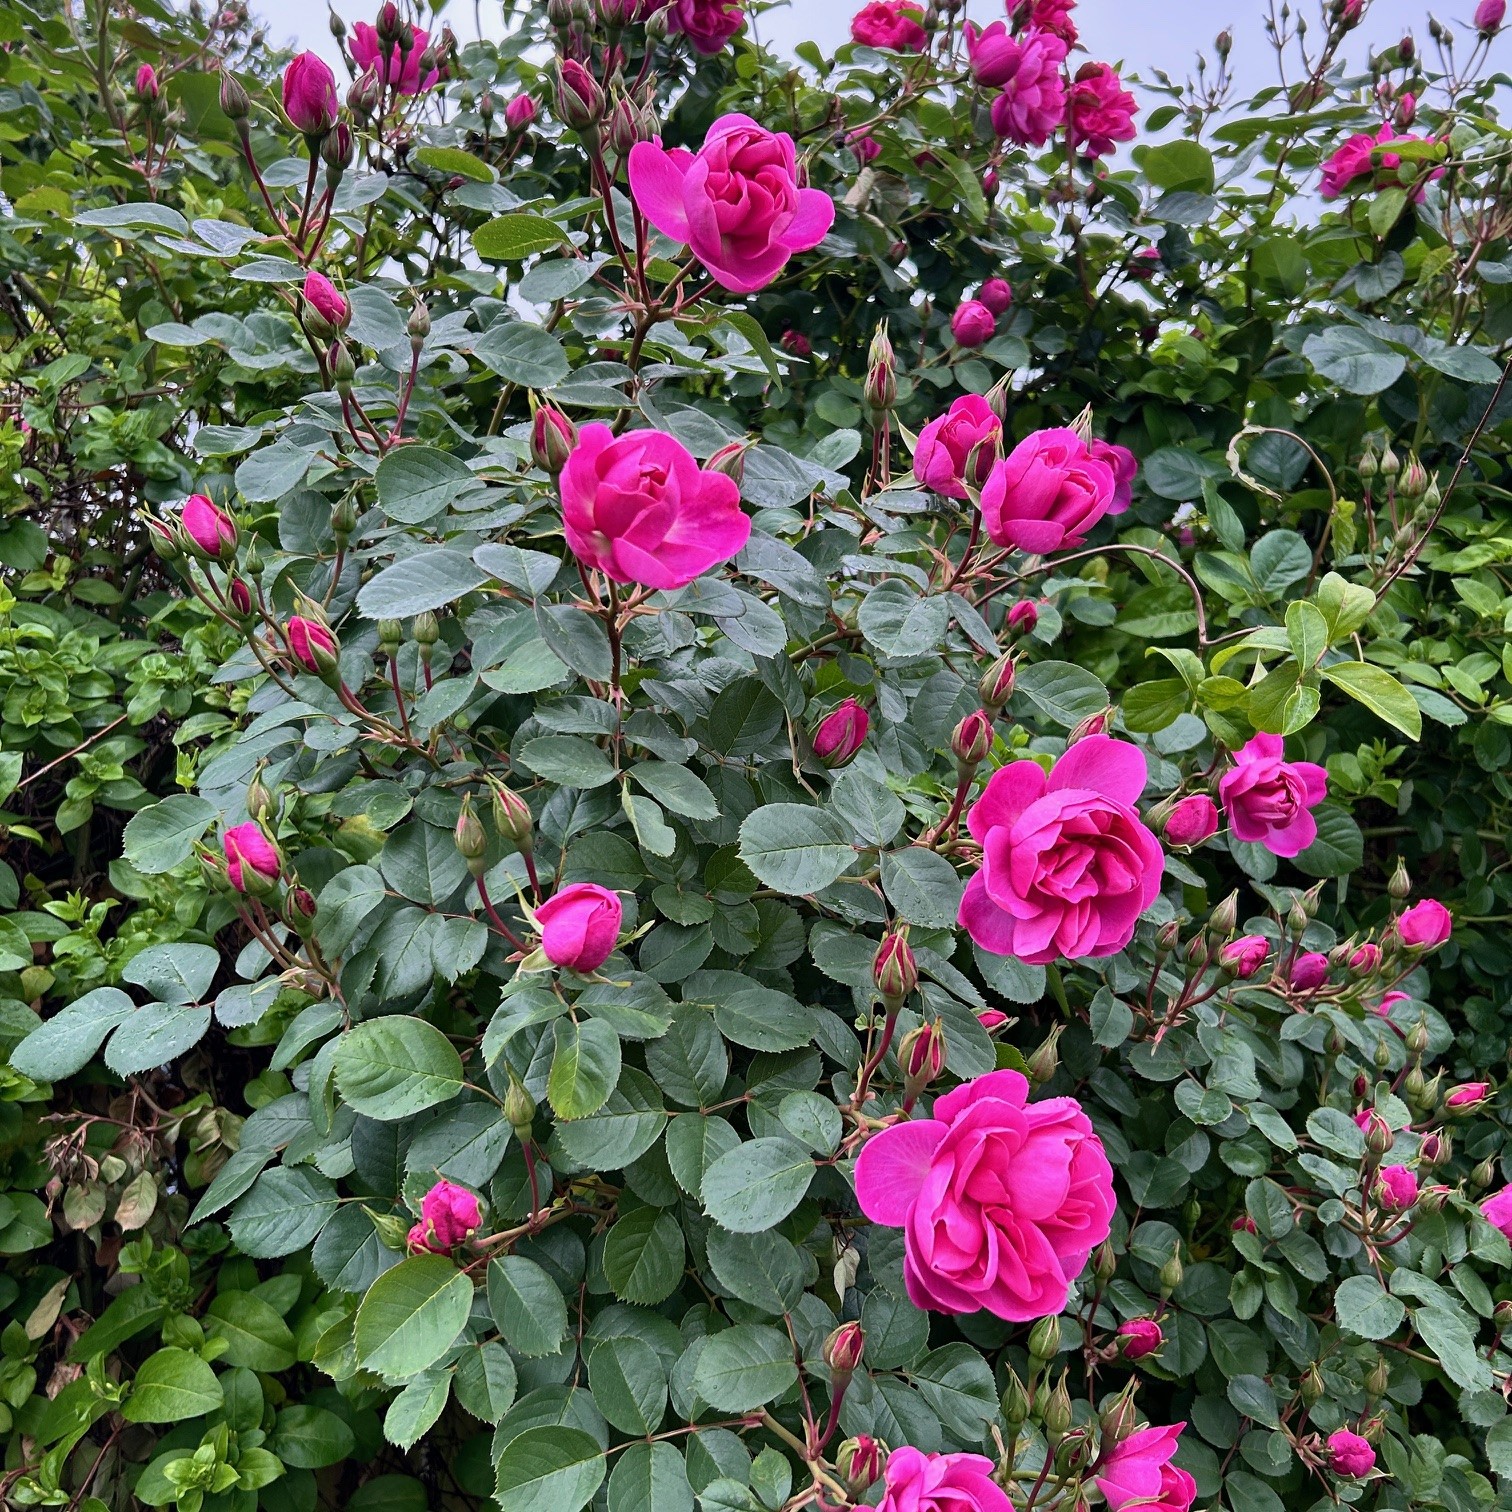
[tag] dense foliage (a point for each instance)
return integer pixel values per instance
(750, 785)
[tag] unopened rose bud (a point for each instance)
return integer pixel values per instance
(1105, 1262)
(519, 1108)
(1432, 1199)
(1045, 1339)
(364, 95)
(511, 816)
(839, 736)
(922, 1057)
(843, 1350)
(552, 439)
(261, 804)
(1434, 1149)
(1406, 49)
(1484, 1173)
(418, 326)
(1168, 936)
(239, 597)
(580, 97)
(234, 104)
(337, 151)
(972, 740)
(1121, 1419)
(1225, 918)
(1391, 464)
(1378, 1136)
(730, 460)
(881, 388)
(894, 969)
(1044, 1062)
(1311, 1385)
(996, 685)
(426, 630)
(1055, 1413)
(1171, 1274)
(1417, 1038)
(1023, 617)
(1223, 44)
(299, 911)
(1093, 724)
(343, 369)
(471, 839)
(1014, 1401)
(1413, 482)
(860, 1462)
(1501, 1315)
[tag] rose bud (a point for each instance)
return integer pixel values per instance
(239, 597)
(1244, 1225)
(922, 1057)
(1396, 1188)
(253, 863)
(210, 531)
(1044, 1061)
(234, 103)
(365, 94)
(1489, 15)
(1023, 617)
(580, 926)
(299, 911)
(520, 112)
(1093, 724)
(1365, 958)
(471, 839)
(989, 183)
(337, 151)
(730, 460)
(996, 684)
(894, 970)
(1467, 1097)
(1192, 822)
(552, 437)
(841, 733)
(1309, 971)
(843, 1350)
(147, 89)
(972, 739)
(519, 1108)
(313, 646)
(326, 302)
(309, 95)
(1244, 956)
(972, 324)
(448, 1214)
(996, 294)
(1139, 1337)
(796, 343)
(859, 1461)
(580, 97)
(1425, 926)
(512, 819)
(1378, 1136)
(992, 1019)
(1349, 1455)
(881, 387)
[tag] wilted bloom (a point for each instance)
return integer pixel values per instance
(146, 84)
(1497, 1210)
(893, 24)
(312, 645)
(1489, 15)
(1139, 1473)
(253, 863)
(1100, 111)
(841, 733)
(1468, 1096)
(967, 433)
(1193, 821)
(580, 926)
(1349, 1455)
(707, 24)
(973, 323)
(1365, 958)
(1047, 493)
(309, 94)
(326, 300)
(1270, 800)
(1396, 1188)
(738, 203)
(1309, 971)
(520, 112)
(1244, 956)
(1032, 105)
(1425, 926)
(209, 528)
(397, 69)
(1139, 1337)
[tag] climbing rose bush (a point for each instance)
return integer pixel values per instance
(808, 870)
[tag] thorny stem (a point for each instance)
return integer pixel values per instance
(493, 913)
(858, 1099)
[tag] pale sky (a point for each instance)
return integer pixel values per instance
(1143, 34)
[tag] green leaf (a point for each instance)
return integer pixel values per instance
(411, 1316)
(651, 1478)
(454, 162)
(550, 1469)
(522, 353)
(172, 1385)
(507, 238)
(283, 1212)
(1355, 360)
(1450, 1336)
(159, 838)
(414, 1411)
(1364, 1307)
(396, 1066)
(922, 887)
(1380, 692)
(416, 483)
(629, 1384)
(744, 1367)
(1307, 629)
(1181, 164)
(1339, 848)
(426, 579)
(527, 1306)
(643, 1257)
(757, 1184)
(568, 760)
(254, 1332)
(65, 1043)
(764, 1270)
(794, 848)
(310, 1438)
(585, 1065)
(1063, 692)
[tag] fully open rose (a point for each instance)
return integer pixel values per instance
(1000, 1201)
(1269, 800)
(1067, 865)
(918, 1482)
(1139, 1473)
(1047, 493)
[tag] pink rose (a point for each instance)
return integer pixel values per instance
(1467, 1095)
(399, 71)
(1497, 1210)
(1067, 866)
(1100, 111)
(1405, 111)
(1388, 1002)
(947, 443)
(146, 84)
(326, 300)
(1047, 493)
(1244, 956)
(1139, 1470)
(1032, 105)
(1425, 926)
(796, 343)
(1396, 1188)
(1309, 971)
(520, 112)
(312, 645)
(1489, 15)
(992, 1019)
(996, 294)
(841, 733)
(1362, 157)
(1349, 1455)
(1269, 800)
(580, 926)
(866, 147)
(1193, 821)
(309, 95)
(993, 54)
(973, 323)
(891, 24)
(1053, 16)
(639, 508)
(859, 1461)
(211, 529)
(1023, 617)
(1244, 1224)
(707, 24)
(448, 1213)
(1125, 468)
(1000, 1201)
(737, 203)
(1139, 1337)
(919, 1482)
(1365, 958)
(252, 860)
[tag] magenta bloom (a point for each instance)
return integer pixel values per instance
(520, 112)
(841, 733)
(1244, 956)
(1389, 1001)
(1000, 1201)
(399, 71)
(1349, 1455)
(1467, 1095)
(146, 83)
(639, 508)
(1309, 971)
(312, 645)
(1125, 468)
(1023, 617)
(919, 1482)
(1067, 866)
(1032, 105)
(580, 926)
(1047, 493)
(1269, 800)
(866, 147)
(309, 94)
(1363, 157)
(1366, 958)
(326, 299)
(448, 1214)
(992, 1018)
(891, 24)
(1139, 1337)
(1193, 821)
(973, 323)
(1489, 15)
(707, 24)
(1054, 16)
(252, 860)
(1100, 111)
(993, 54)
(209, 527)
(1396, 1188)
(1425, 926)
(996, 294)
(1139, 1470)
(1497, 1210)
(946, 445)
(737, 203)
